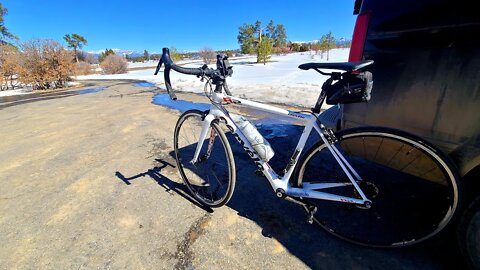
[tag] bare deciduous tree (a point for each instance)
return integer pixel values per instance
(114, 64)
(83, 68)
(208, 55)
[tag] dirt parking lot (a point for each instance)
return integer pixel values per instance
(88, 182)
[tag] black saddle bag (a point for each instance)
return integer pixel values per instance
(351, 88)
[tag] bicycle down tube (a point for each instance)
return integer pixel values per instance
(277, 182)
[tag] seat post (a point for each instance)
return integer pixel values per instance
(322, 96)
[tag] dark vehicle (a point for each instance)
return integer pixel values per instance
(427, 82)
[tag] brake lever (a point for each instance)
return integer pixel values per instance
(202, 77)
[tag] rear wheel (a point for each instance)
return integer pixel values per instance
(413, 187)
(469, 234)
(211, 179)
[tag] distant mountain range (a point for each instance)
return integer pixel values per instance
(130, 53)
(339, 41)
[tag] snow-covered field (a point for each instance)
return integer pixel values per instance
(149, 63)
(279, 81)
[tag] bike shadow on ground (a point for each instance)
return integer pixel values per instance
(163, 181)
(287, 223)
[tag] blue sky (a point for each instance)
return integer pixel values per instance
(186, 25)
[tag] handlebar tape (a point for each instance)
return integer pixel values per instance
(169, 65)
(165, 59)
(188, 71)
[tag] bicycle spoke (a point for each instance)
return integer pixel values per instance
(396, 153)
(220, 164)
(378, 149)
(409, 163)
(402, 178)
(216, 177)
(212, 178)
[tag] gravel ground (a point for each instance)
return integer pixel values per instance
(89, 182)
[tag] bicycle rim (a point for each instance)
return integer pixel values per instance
(211, 179)
(414, 190)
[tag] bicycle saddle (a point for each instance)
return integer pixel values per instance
(346, 66)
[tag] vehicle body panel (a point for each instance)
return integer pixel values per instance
(426, 74)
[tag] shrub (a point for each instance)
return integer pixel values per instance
(208, 55)
(114, 64)
(46, 64)
(10, 66)
(83, 68)
(175, 55)
(87, 57)
(285, 50)
(304, 47)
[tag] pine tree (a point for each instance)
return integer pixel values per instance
(75, 42)
(270, 30)
(146, 55)
(304, 47)
(294, 47)
(327, 42)
(246, 38)
(250, 36)
(280, 39)
(4, 33)
(264, 50)
(103, 55)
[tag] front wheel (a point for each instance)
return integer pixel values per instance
(414, 189)
(211, 178)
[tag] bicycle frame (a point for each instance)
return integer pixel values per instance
(277, 182)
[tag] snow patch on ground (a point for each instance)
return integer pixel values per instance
(20, 91)
(279, 81)
(28, 90)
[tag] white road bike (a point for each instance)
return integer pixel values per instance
(372, 186)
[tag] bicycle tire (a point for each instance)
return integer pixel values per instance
(414, 188)
(212, 179)
(468, 234)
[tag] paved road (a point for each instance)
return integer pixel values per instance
(88, 182)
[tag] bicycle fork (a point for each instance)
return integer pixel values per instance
(203, 135)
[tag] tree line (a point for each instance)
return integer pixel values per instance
(45, 63)
(255, 39)
(41, 63)
(272, 38)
